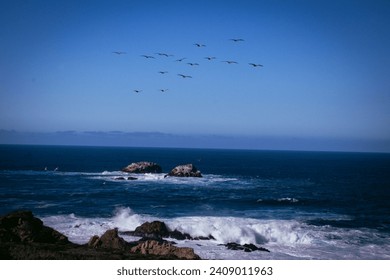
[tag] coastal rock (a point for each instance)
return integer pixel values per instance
(23, 227)
(24, 237)
(155, 229)
(160, 248)
(124, 178)
(143, 167)
(186, 170)
(109, 240)
(245, 247)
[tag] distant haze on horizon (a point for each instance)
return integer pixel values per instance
(279, 75)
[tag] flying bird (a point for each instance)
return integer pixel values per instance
(119, 52)
(162, 72)
(199, 45)
(192, 64)
(237, 40)
(210, 57)
(147, 56)
(256, 65)
(163, 90)
(181, 59)
(137, 91)
(230, 62)
(164, 54)
(184, 76)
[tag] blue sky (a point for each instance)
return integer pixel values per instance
(325, 75)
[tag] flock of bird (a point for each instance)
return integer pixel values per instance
(198, 45)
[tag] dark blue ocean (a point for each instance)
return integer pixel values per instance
(299, 205)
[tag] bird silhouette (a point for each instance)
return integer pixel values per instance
(137, 91)
(184, 76)
(192, 64)
(162, 72)
(119, 52)
(147, 56)
(237, 40)
(230, 62)
(163, 90)
(256, 65)
(210, 57)
(199, 45)
(164, 54)
(181, 59)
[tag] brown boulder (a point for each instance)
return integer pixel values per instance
(159, 248)
(109, 240)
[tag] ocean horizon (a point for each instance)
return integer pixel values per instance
(296, 204)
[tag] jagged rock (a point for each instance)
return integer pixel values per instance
(109, 240)
(159, 248)
(23, 227)
(154, 229)
(245, 247)
(143, 167)
(186, 170)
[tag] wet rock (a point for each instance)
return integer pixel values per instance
(186, 170)
(143, 167)
(124, 178)
(245, 247)
(155, 229)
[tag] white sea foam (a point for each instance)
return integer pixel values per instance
(286, 239)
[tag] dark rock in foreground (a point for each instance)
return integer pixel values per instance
(143, 167)
(245, 247)
(24, 237)
(186, 170)
(23, 227)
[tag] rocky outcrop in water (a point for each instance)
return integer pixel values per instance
(186, 170)
(245, 247)
(143, 167)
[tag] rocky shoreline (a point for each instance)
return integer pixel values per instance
(25, 237)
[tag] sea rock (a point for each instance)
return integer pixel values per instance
(109, 240)
(155, 229)
(23, 227)
(143, 167)
(124, 178)
(245, 247)
(160, 248)
(186, 170)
